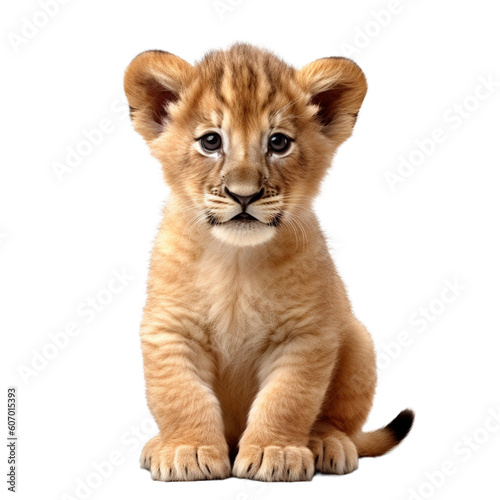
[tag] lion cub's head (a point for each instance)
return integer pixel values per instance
(244, 139)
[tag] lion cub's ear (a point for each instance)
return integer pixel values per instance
(337, 86)
(153, 81)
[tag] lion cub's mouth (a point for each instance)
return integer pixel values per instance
(244, 217)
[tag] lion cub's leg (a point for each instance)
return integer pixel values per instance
(347, 404)
(191, 443)
(293, 380)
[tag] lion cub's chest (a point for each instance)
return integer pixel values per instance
(238, 310)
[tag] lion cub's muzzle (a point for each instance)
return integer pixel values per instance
(244, 201)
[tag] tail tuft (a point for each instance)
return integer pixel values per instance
(401, 425)
(379, 442)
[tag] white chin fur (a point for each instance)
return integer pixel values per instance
(243, 234)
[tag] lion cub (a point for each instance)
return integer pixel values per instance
(254, 362)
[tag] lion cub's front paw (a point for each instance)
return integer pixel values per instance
(274, 463)
(185, 463)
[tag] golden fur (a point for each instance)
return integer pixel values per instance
(250, 346)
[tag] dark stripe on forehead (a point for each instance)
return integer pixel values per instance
(252, 79)
(235, 78)
(194, 95)
(218, 79)
(270, 82)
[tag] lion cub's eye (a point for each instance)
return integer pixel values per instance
(279, 143)
(211, 142)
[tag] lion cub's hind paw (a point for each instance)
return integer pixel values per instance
(334, 454)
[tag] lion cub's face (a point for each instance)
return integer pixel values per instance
(244, 139)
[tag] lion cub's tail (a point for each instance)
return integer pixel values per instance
(376, 443)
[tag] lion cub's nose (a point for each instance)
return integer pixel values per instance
(244, 201)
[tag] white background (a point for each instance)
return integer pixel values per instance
(61, 239)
